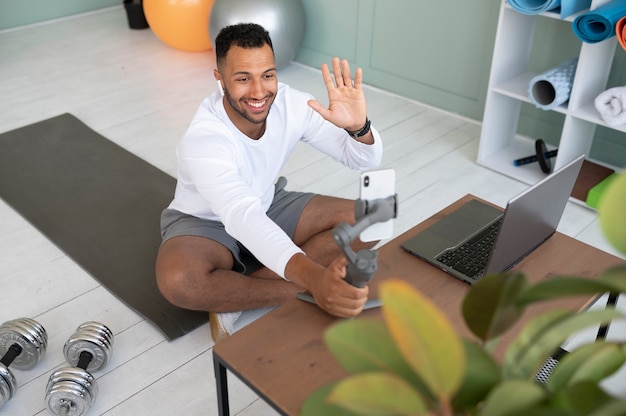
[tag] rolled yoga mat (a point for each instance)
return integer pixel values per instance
(99, 204)
(620, 31)
(534, 6)
(599, 24)
(565, 7)
(553, 87)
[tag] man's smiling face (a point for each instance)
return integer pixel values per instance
(249, 80)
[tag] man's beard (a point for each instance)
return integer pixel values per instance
(243, 113)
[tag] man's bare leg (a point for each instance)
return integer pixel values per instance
(314, 231)
(317, 222)
(196, 273)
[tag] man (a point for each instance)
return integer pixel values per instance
(233, 239)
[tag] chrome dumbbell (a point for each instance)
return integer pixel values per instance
(71, 391)
(23, 342)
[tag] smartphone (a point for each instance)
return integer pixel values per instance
(377, 184)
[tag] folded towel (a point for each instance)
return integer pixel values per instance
(599, 23)
(620, 31)
(611, 104)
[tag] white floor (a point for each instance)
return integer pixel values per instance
(141, 94)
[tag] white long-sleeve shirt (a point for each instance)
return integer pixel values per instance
(224, 175)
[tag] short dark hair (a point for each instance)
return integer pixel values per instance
(244, 35)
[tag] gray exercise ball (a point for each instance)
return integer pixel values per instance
(283, 19)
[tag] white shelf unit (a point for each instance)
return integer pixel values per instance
(508, 89)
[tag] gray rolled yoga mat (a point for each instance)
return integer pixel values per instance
(99, 204)
(553, 87)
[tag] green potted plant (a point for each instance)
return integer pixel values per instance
(414, 362)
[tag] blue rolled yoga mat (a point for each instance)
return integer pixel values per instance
(566, 7)
(552, 88)
(599, 24)
(534, 6)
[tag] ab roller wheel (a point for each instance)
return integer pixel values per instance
(542, 155)
(71, 391)
(23, 342)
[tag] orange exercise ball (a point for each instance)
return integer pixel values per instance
(181, 24)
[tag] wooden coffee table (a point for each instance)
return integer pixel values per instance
(283, 358)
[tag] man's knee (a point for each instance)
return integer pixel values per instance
(183, 267)
(174, 285)
(183, 274)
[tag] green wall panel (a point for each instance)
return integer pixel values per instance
(424, 44)
(331, 34)
(14, 13)
(438, 52)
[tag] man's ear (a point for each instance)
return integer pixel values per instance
(218, 78)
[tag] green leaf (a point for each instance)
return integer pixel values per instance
(543, 335)
(616, 276)
(513, 397)
(569, 363)
(490, 307)
(362, 345)
(481, 375)
(560, 287)
(600, 365)
(612, 407)
(316, 404)
(374, 394)
(545, 411)
(611, 280)
(584, 397)
(425, 337)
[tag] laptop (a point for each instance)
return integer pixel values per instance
(478, 239)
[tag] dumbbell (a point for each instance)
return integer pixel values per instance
(23, 342)
(71, 391)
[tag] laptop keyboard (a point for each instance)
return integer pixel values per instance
(471, 257)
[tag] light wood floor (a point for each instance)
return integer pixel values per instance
(141, 94)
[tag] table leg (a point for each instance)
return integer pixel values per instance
(222, 386)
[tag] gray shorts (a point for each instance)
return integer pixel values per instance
(285, 210)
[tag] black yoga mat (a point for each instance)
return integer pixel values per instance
(98, 203)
